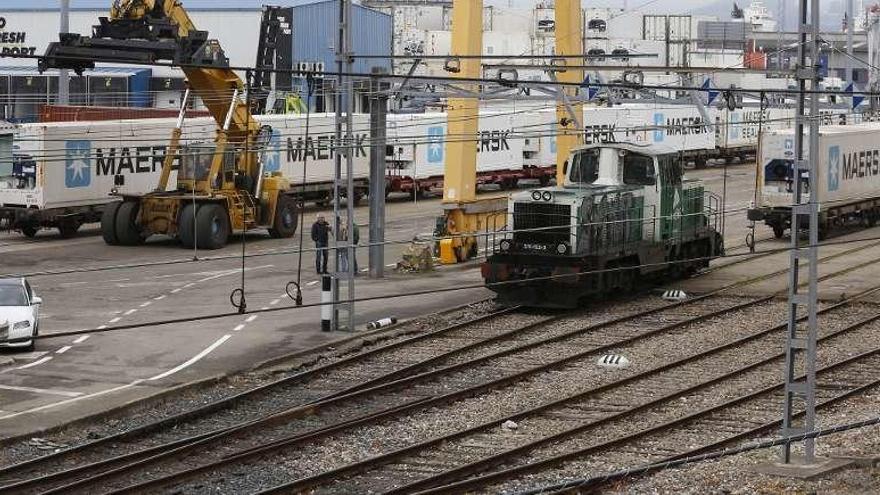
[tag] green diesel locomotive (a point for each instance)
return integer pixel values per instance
(625, 216)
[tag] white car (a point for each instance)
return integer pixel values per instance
(19, 312)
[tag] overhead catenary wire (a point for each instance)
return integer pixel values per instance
(435, 291)
(451, 79)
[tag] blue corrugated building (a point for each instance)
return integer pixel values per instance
(315, 32)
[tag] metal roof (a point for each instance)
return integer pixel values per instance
(194, 5)
(11, 281)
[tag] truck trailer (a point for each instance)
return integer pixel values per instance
(62, 175)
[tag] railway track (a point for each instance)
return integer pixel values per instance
(115, 456)
(371, 399)
(710, 421)
(580, 416)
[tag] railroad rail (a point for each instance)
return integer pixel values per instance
(79, 467)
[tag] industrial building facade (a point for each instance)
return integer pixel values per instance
(28, 26)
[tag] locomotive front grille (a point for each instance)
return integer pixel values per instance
(542, 217)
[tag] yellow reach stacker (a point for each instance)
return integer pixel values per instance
(221, 186)
(466, 219)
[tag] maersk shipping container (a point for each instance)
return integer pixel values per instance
(847, 181)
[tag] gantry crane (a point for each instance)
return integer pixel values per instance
(465, 217)
(221, 186)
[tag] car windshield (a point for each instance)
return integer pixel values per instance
(12, 295)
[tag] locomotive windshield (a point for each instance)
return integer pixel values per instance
(585, 167)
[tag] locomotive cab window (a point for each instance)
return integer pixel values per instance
(585, 167)
(638, 170)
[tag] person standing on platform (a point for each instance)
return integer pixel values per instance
(355, 240)
(342, 252)
(321, 237)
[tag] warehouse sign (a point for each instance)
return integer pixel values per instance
(14, 42)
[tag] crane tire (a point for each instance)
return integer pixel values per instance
(108, 223)
(186, 225)
(286, 219)
(127, 231)
(212, 226)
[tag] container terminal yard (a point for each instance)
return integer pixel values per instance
(439, 246)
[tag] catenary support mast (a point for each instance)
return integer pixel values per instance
(800, 381)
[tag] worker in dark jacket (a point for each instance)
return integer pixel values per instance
(321, 236)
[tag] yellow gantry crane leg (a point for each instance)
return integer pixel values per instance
(569, 42)
(465, 216)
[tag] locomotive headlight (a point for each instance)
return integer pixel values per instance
(21, 325)
(547, 196)
(562, 248)
(505, 244)
(536, 195)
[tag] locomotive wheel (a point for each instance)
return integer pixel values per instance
(108, 223)
(286, 219)
(212, 226)
(127, 231)
(186, 225)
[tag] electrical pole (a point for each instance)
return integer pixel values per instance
(800, 384)
(349, 160)
(378, 121)
(64, 74)
(850, 27)
(343, 145)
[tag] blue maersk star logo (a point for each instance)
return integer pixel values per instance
(77, 163)
(658, 131)
(435, 144)
(833, 168)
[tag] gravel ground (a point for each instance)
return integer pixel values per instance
(362, 443)
(735, 475)
(737, 419)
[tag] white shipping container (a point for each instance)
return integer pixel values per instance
(77, 162)
(680, 127)
(419, 143)
(848, 166)
(740, 128)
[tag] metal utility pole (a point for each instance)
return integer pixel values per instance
(850, 27)
(344, 99)
(378, 114)
(800, 384)
(64, 74)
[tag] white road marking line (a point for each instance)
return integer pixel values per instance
(159, 298)
(313, 282)
(238, 327)
(82, 339)
(48, 391)
(118, 280)
(68, 401)
(191, 360)
(114, 320)
(63, 349)
(231, 272)
(35, 363)
(175, 291)
(187, 286)
(264, 308)
(100, 328)
(129, 312)
(144, 305)
(274, 302)
(251, 318)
